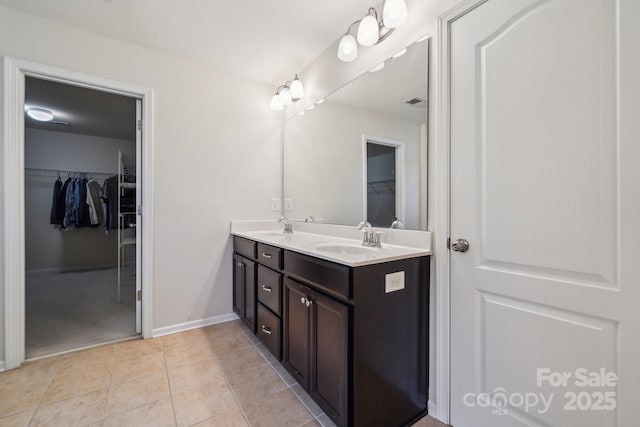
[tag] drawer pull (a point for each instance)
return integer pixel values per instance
(268, 256)
(266, 330)
(267, 288)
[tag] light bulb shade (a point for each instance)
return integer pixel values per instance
(368, 31)
(276, 104)
(348, 48)
(40, 114)
(297, 89)
(394, 13)
(285, 96)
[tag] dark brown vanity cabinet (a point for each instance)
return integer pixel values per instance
(355, 338)
(244, 281)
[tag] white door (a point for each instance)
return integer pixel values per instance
(139, 217)
(545, 186)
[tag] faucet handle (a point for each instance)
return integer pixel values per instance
(377, 238)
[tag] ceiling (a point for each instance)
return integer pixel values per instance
(267, 41)
(386, 91)
(87, 111)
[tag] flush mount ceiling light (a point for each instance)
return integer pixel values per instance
(372, 30)
(40, 114)
(287, 94)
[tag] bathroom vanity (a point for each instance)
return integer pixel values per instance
(349, 323)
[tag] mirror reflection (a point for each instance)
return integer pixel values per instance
(361, 154)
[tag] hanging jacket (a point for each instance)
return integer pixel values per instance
(70, 206)
(55, 218)
(96, 212)
(61, 205)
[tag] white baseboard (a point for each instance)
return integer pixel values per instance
(431, 407)
(1, 365)
(194, 324)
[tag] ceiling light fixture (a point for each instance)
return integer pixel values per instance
(372, 30)
(40, 114)
(287, 94)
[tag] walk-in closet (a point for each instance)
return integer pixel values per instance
(81, 192)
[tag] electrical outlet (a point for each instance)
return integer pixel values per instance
(275, 205)
(394, 282)
(288, 205)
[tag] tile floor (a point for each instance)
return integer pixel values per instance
(214, 376)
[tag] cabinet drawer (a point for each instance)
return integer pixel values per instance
(269, 330)
(244, 247)
(328, 276)
(270, 256)
(270, 289)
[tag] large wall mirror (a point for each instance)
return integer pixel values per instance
(362, 153)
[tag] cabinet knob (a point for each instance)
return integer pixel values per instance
(266, 330)
(308, 302)
(303, 300)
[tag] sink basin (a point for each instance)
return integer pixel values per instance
(345, 249)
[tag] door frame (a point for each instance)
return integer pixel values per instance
(442, 259)
(400, 173)
(14, 71)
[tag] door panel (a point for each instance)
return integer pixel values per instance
(250, 294)
(238, 285)
(296, 332)
(329, 351)
(542, 189)
(138, 216)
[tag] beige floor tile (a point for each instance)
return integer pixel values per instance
(156, 414)
(86, 360)
(312, 423)
(130, 368)
(201, 403)
(195, 375)
(256, 383)
(277, 410)
(19, 398)
(31, 373)
(138, 392)
(240, 360)
(183, 339)
(223, 328)
(82, 381)
(428, 422)
(193, 353)
(18, 420)
(233, 418)
(80, 410)
(137, 348)
(224, 343)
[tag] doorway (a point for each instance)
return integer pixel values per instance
(15, 72)
(80, 144)
(383, 179)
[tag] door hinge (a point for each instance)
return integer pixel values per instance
(139, 295)
(139, 210)
(140, 125)
(448, 242)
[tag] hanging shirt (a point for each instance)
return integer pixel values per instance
(70, 205)
(55, 218)
(96, 213)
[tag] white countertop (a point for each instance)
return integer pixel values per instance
(332, 245)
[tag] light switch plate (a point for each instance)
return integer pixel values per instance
(275, 205)
(394, 282)
(288, 205)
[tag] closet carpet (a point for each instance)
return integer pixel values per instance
(77, 309)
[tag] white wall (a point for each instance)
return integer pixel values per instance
(217, 156)
(46, 247)
(324, 166)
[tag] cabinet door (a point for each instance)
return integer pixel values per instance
(329, 352)
(296, 332)
(238, 285)
(250, 294)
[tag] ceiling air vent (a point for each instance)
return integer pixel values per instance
(416, 102)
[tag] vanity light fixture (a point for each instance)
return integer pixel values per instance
(372, 30)
(287, 94)
(40, 114)
(320, 101)
(399, 54)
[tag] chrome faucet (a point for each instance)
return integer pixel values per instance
(397, 224)
(288, 227)
(370, 238)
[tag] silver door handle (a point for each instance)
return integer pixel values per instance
(460, 245)
(266, 330)
(266, 288)
(267, 255)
